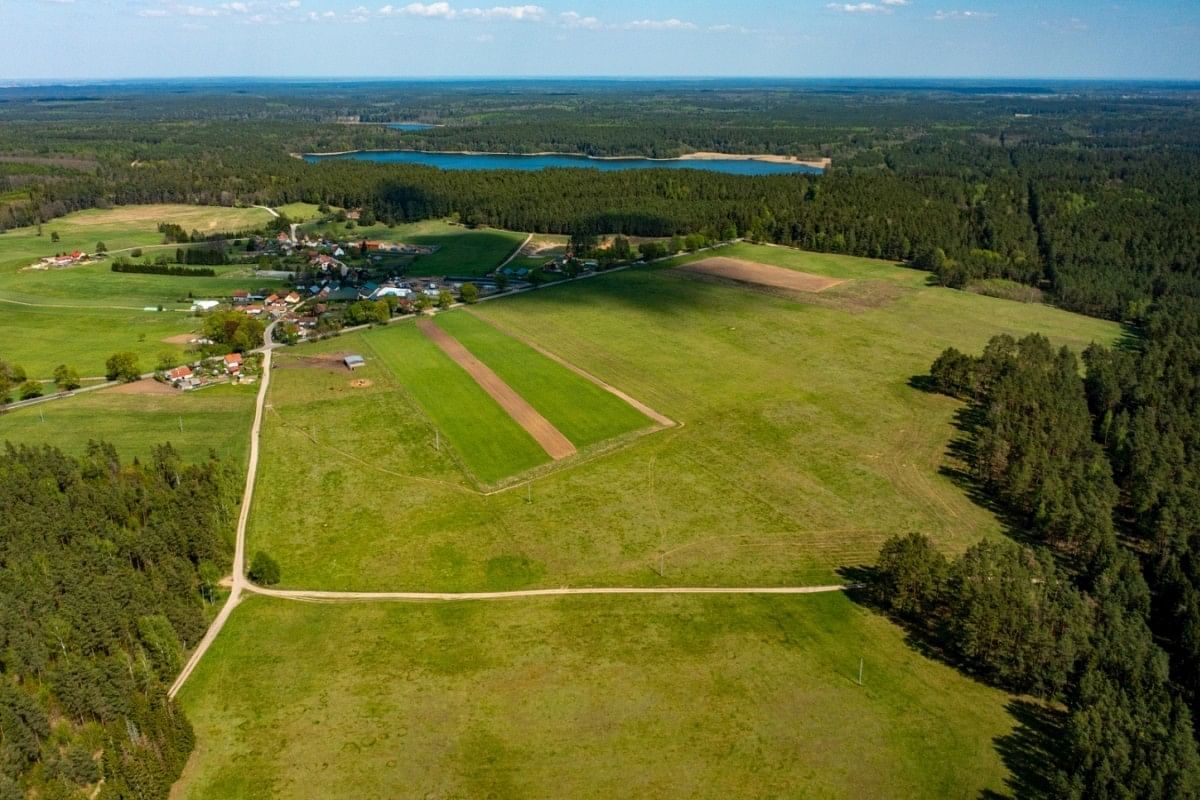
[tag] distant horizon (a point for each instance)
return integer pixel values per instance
(10, 82)
(1152, 40)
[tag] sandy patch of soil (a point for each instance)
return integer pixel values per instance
(735, 269)
(180, 338)
(144, 386)
(544, 433)
(361, 383)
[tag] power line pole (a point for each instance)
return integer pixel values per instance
(860, 671)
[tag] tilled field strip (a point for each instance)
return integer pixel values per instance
(544, 433)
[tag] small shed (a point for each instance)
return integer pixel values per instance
(353, 362)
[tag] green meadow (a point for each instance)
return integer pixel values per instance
(81, 315)
(584, 412)
(197, 424)
(803, 443)
(462, 250)
(584, 697)
(490, 443)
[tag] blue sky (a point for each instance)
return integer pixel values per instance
(801, 38)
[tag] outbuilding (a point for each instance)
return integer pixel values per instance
(353, 362)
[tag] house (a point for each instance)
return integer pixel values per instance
(180, 376)
(292, 298)
(353, 362)
(254, 310)
(283, 238)
(391, 291)
(233, 363)
(241, 296)
(272, 299)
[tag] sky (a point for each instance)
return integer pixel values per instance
(99, 39)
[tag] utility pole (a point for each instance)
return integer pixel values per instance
(181, 424)
(437, 440)
(860, 671)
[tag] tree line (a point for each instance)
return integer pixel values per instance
(105, 567)
(1095, 604)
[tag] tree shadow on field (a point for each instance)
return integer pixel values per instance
(1029, 750)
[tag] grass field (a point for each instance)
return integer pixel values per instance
(215, 420)
(584, 698)
(82, 315)
(119, 228)
(463, 251)
(585, 413)
(803, 443)
(489, 442)
(39, 339)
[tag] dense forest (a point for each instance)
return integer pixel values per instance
(104, 571)
(1096, 601)
(1089, 192)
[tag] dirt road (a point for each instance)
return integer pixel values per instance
(358, 597)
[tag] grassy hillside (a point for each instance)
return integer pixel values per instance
(804, 444)
(462, 250)
(589, 697)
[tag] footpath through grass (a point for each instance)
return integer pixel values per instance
(587, 697)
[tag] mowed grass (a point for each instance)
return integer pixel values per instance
(582, 411)
(197, 424)
(584, 697)
(462, 251)
(489, 442)
(39, 339)
(804, 444)
(119, 228)
(81, 315)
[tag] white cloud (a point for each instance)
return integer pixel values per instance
(518, 13)
(442, 10)
(152, 12)
(943, 16)
(863, 8)
(240, 8)
(671, 24)
(573, 19)
(199, 11)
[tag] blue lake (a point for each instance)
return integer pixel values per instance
(408, 127)
(529, 163)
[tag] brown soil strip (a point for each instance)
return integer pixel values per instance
(180, 338)
(735, 269)
(144, 386)
(661, 419)
(549, 437)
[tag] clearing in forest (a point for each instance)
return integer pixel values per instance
(736, 269)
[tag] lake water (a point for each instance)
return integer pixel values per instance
(529, 163)
(408, 127)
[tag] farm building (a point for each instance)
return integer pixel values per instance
(354, 362)
(233, 363)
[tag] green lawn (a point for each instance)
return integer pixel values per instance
(803, 444)
(487, 440)
(215, 420)
(300, 212)
(39, 339)
(584, 413)
(587, 697)
(463, 251)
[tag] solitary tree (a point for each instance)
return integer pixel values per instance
(263, 569)
(445, 300)
(122, 367)
(469, 293)
(30, 390)
(54, 236)
(101, 247)
(66, 378)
